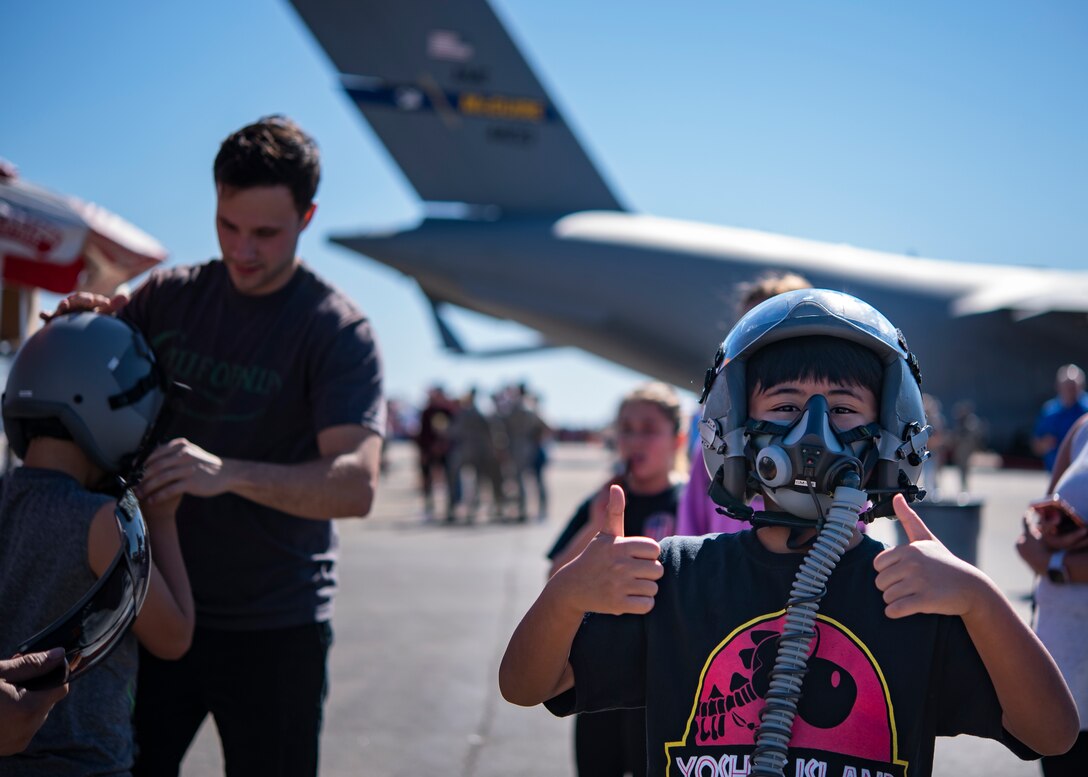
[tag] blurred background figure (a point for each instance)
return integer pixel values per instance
(435, 456)
(525, 432)
(767, 285)
(1054, 543)
(968, 434)
(474, 449)
(500, 442)
(1060, 413)
(931, 468)
(698, 514)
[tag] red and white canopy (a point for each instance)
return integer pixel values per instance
(62, 244)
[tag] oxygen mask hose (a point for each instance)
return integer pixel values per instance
(791, 663)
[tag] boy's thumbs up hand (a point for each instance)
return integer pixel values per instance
(613, 512)
(912, 523)
(614, 574)
(923, 576)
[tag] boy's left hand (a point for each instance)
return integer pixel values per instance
(923, 576)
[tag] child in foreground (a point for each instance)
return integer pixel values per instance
(813, 396)
(81, 400)
(613, 743)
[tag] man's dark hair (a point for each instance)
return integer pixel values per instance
(818, 357)
(271, 152)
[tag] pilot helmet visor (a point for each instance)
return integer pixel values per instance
(94, 626)
(813, 312)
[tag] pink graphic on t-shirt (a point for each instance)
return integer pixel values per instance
(844, 705)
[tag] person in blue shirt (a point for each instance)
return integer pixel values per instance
(1060, 413)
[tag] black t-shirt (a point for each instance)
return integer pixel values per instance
(876, 693)
(267, 374)
(647, 515)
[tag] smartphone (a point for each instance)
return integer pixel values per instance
(1068, 518)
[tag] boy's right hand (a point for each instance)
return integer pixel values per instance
(86, 301)
(614, 574)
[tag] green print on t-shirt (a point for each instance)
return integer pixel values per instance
(216, 381)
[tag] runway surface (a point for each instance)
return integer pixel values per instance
(425, 610)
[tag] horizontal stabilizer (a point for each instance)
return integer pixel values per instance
(455, 103)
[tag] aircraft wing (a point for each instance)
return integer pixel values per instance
(455, 103)
(1031, 293)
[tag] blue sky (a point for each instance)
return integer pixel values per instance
(948, 130)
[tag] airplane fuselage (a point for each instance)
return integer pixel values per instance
(658, 295)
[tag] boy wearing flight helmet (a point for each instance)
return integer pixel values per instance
(81, 401)
(813, 396)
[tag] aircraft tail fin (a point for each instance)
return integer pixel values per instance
(447, 91)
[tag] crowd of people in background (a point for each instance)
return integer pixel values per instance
(487, 458)
(488, 454)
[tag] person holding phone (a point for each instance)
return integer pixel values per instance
(1053, 544)
(22, 712)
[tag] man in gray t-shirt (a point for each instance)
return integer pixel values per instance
(280, 433)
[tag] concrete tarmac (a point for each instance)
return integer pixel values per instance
(425, 610)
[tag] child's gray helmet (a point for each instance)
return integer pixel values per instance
(901, 445)
(97, 377)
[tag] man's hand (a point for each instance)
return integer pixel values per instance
(614, 574)
(924, 576)
(85, 301)
(180, 467)
(22, 712)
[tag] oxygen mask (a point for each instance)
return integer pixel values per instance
(799, 466)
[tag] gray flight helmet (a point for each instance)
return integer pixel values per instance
(901, 445)
(96, 376)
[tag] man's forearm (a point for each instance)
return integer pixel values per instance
(339, 483)
(330, 487)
